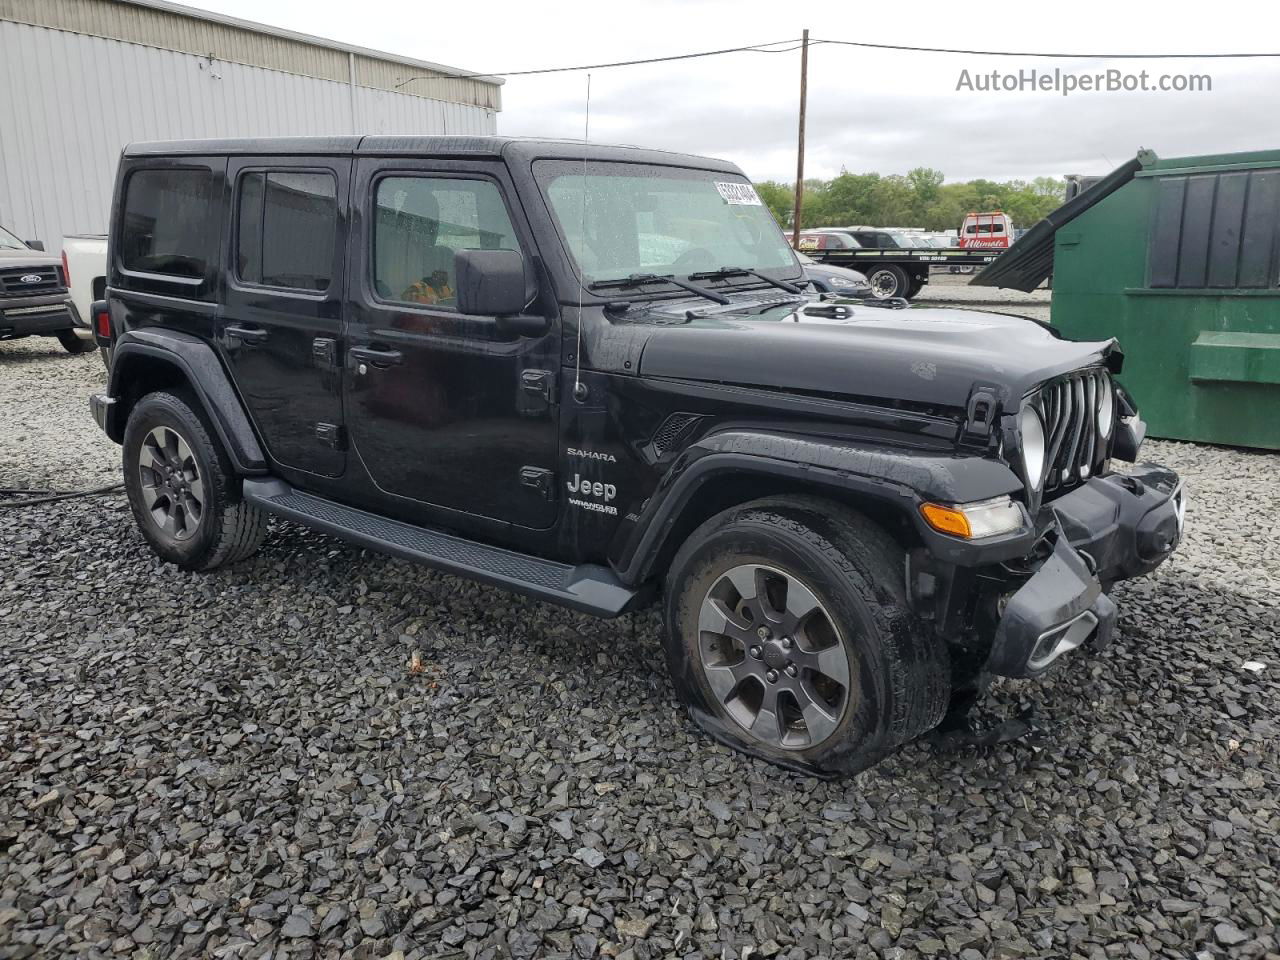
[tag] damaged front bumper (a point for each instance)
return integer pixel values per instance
(1109, 529)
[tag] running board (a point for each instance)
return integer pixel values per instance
(587, 587)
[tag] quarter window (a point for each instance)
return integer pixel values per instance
(287, 224)
(168, 222)
(421, 223)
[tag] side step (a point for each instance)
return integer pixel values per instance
(587, 587)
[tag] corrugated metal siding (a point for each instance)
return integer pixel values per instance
(388, 75)
(169, 30)
(71, 102)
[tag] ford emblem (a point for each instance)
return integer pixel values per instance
(31, 278)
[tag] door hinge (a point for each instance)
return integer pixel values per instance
(324, 353)
(331, 435)
(541, 383)
(540, 479)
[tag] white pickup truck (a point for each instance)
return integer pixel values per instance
(84, 261)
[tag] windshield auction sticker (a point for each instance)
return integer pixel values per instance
(742, 194)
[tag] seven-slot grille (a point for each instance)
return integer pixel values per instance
(1075, 448)
(12, 284)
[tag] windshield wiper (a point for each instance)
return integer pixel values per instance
(636, 279)
(726, 272)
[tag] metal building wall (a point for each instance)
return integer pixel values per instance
(72, 101)
(157, 23)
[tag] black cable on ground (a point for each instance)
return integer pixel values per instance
(53, 497)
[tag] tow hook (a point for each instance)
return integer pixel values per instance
(1132, 484)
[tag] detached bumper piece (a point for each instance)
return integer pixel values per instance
(1110, 529)
(1060, 608)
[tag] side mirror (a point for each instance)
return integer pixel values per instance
(490, 283)
(35, 244)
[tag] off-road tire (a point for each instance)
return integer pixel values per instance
(74, 344)
(901, 683)
(229, 528)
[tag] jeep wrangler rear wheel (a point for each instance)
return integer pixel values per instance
(183, 492)
(790, 636)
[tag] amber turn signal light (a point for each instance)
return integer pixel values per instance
(946, 520)
(974, 521)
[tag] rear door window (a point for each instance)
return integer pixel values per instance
(169, 222)
(287, 224)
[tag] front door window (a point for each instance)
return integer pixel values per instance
(420, 225)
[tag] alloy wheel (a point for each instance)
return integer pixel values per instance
(773, 657)
(172, 488)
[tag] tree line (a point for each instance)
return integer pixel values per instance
(918, 199)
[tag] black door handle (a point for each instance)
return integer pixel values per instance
(246, 334)
(379, 358)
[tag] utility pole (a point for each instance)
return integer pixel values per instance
(804, 93)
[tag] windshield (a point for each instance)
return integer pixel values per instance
(641, 219)
(9, 242)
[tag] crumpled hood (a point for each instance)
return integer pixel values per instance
(919, 355)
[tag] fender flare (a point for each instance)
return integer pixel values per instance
(199, 365)
(901, 478)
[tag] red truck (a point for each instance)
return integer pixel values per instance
(986, 231)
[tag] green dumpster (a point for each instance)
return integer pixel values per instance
(1179, 259)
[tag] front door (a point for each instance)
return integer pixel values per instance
(281, 324)
(444, 408)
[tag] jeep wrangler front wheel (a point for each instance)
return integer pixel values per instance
(790, 636)
(181, 487)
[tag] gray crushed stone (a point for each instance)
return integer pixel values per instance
(242, 764)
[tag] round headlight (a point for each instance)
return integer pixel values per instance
(1106, 408)
(1032, 446)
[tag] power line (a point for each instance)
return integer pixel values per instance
(777, 46)
(754, 48)
(1063, 56)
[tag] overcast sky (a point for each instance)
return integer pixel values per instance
(868, 110)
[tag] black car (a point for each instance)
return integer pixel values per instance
(587, 374)
(839, 280)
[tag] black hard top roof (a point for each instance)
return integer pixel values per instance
(512, 148)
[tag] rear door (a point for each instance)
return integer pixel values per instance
(281, 323)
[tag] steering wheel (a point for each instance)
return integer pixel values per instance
(694, 260)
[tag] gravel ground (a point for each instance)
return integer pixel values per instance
(954, 290)
(244, 764)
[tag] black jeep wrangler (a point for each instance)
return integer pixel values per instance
(592, 375)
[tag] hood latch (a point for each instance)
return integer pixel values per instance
(981, 412)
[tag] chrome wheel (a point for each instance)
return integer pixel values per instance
(773, 657)
(884, 284)
(172, 489)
